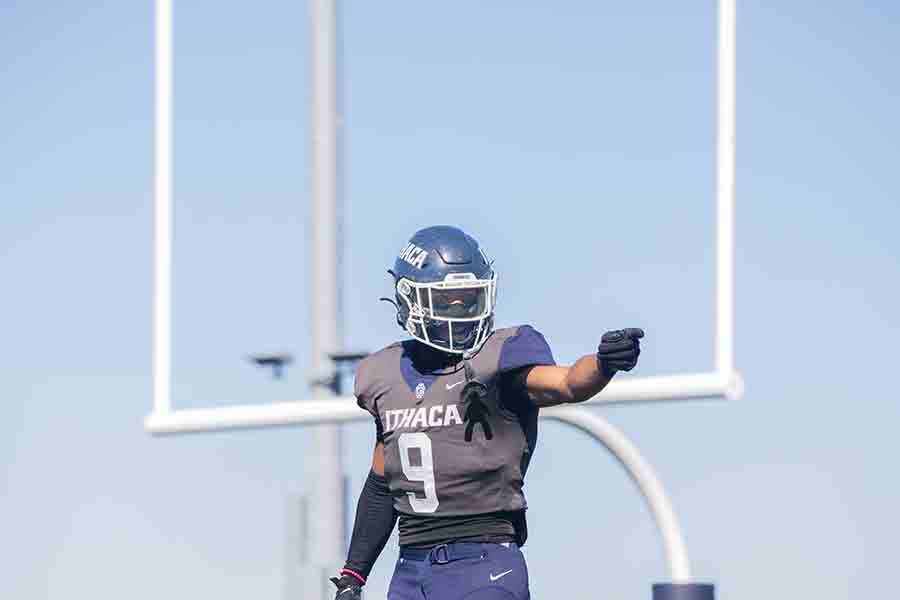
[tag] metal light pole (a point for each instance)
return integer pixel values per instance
(324, 530)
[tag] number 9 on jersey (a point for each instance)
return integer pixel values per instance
(423, 472)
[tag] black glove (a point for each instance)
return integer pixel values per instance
(619, 350)
(348, 588)
(475, 407)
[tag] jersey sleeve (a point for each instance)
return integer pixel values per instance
(526, 348)
(364, 386)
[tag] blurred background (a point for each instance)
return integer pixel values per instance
(576, 140)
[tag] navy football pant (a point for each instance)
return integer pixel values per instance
(460, 572)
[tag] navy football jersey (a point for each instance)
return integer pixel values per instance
(449, 456)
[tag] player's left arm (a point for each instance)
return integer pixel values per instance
(552, 385)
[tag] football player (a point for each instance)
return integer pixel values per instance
(456, 415)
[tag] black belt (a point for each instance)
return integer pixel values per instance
(445, 553)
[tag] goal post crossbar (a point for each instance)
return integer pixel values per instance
(344, 409)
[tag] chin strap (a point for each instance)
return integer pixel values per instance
(469, 369)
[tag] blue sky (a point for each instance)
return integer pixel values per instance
(576, 141)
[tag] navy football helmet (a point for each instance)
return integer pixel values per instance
(446, 290)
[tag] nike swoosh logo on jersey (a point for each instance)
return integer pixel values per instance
(450, 386)
(496, 577)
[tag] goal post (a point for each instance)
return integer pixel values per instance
(722, 381)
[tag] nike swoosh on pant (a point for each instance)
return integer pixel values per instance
(496, 577)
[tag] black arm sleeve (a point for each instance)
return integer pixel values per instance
(375, 520)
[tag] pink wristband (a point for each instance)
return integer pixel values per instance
(362, 579)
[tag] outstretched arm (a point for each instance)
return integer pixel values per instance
(552, 385)
(375, 519)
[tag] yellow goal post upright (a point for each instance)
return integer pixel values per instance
(326, 410)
